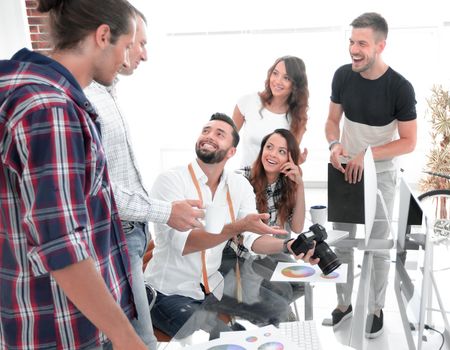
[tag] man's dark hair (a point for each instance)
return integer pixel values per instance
(372, 20)
(223, 117)
(71, 21)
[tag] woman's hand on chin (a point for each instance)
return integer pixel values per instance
(292, 171)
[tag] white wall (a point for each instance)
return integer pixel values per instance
(14, 32)
(204, 54)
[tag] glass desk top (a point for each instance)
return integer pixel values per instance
(263, 303)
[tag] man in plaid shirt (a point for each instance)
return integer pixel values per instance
(64, 270)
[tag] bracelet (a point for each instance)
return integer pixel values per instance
(332, 143)
(285, 247)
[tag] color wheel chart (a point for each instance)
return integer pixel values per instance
(264, 343)
(302, 272)
(265, 338)
(298, 271)
(272, 345)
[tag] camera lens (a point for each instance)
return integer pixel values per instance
(328, 259)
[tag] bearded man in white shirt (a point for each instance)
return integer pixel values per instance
(177, 270)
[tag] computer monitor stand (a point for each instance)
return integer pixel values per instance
(357, 331)
(368, 244)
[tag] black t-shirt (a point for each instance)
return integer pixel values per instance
(372, 109)
(373, 102)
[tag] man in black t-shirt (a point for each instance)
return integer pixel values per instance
(377, 106)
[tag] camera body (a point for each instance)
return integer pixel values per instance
(305, 241)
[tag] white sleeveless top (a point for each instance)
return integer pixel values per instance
(257, 124)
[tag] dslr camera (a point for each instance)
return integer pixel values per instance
(305, 241)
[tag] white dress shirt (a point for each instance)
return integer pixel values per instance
(171, 273)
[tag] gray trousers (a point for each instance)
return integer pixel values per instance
(381, 259)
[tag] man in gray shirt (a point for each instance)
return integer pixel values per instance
(135, 207)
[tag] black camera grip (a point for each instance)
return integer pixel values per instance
(301, 245)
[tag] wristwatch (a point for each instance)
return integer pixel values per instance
(332, 143)
(285, 247)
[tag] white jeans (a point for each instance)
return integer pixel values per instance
(386, 182)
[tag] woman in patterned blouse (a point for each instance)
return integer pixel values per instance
(277, 181)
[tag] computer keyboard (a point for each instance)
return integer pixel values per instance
(302, 333)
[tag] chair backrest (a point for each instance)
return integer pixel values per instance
(148, 254)
(159, 335)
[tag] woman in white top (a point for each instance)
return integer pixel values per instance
(282, 105)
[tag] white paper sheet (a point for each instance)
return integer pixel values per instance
(303, 272)
(265, 331)
(264, 338)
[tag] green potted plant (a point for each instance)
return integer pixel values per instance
(438, 158)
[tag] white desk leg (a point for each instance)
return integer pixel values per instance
(426, 283)
(358, 327)
(441, 305)
(429, 318)
(400, 277)
(308, 302)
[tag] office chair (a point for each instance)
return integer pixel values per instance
(151, 293)
(151, 296)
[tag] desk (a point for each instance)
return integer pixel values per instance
(263, 303)
(326, 336)
(336, 236)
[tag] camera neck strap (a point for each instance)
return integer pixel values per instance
(203, 252)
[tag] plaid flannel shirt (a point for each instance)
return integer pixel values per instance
(56, 207)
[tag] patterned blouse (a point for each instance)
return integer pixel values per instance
(273, 195)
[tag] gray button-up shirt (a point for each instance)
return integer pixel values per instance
(131, 197)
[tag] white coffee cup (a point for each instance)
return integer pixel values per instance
(215, 216)
(319, 214)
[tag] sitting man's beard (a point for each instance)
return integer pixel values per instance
(209, 157)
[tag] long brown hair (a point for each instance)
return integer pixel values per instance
(258, 179)
(298, 99)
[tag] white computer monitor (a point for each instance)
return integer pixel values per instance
(410, 213)
(355, 203)
(370, 193)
